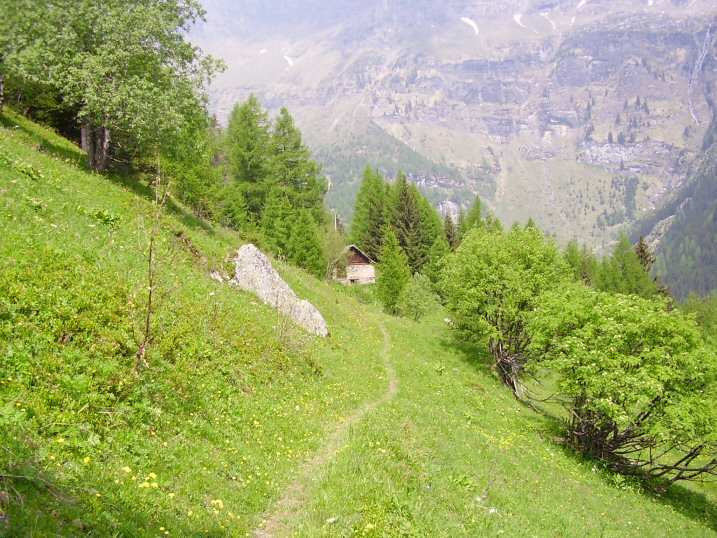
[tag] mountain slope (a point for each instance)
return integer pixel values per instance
(582, 114)
(684, 231)
(207, 437)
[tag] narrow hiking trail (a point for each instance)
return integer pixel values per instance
(276, 522)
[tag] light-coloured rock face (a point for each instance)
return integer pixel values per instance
(255, 274)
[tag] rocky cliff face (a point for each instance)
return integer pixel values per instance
(584, 114)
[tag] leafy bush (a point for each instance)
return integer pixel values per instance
(417, 298)
(492, 283)
(637, 380)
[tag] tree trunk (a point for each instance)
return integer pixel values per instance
(96, 143)
(509, 368)
(2, 91)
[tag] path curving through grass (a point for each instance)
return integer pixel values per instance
(277, 521)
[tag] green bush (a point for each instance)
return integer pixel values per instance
(639, 383)
(417, 298)
(492, 283)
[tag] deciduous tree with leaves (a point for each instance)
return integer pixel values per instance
(493, 282)
(126, 66)
(638, 383)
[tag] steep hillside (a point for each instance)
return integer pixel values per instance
(684, 231)
(239, 421)
(583, 114)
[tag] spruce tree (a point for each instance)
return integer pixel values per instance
(393, 273)
(450, 232)
(412, 221)
(276, 221)
(644, 254)
(304, 248)
(367, 228)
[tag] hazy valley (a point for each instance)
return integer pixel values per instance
(584, 115)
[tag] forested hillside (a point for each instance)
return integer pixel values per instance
(687, 230)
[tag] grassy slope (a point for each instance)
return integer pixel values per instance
(205, 439)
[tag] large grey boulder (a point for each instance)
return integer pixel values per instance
(255, 274)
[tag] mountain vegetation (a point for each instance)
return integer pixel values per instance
(686, 255)
(210, 433)
(487, 380)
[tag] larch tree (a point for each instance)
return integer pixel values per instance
(277, 220)
(474, 217)
(292, 167)
(436, 261)
(247, 148)
(461, 225)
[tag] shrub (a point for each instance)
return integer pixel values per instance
(492, 282)
(417, 298)
(638, 382)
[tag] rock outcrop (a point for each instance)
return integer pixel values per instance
(255, 274)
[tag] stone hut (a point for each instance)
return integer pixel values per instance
(354, 267)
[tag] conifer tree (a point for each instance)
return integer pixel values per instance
(414, 221)
(247, 149)
(474, 217)
(232, 207)
(368, 226)
(292, 167)
(624, 273)
(393, 273)
(450, 232)
(417, 298)
(431, 223)
(461, 226)
(493, 223)
(304, 248)
(644, 254)
(276, 221)
(581, 261)
(437, 258)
